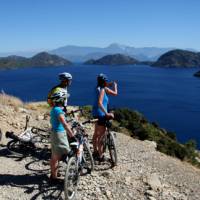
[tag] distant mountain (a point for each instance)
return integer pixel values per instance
(81, 54)
(178, 58)
(116, 59)
(26, 54)
(41, 59)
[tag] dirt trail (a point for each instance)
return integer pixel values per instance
(142, 172)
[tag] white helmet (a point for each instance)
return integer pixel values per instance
(60, 96)
(65, 76)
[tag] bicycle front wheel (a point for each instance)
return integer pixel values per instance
(71, 179)
(112, 149)
(88, 161)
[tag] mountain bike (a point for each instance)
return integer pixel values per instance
(110, 144)
(80, 159)
(29, 140)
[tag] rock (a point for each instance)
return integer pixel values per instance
(128, 180)
(151, 144)
(154, 182)
(108, 193)
(39, 117)
(197, 159)
(22, 110)
(151, 193)
(151, 198)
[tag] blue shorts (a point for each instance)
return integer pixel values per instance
(101, 120)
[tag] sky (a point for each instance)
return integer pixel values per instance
(30, 25)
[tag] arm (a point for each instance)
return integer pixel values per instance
(66, 125)
(114, 91)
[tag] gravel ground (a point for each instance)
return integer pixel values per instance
(142, 172)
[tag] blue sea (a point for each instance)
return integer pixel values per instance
(169, 96)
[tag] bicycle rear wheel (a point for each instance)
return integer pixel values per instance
(88, 161)
(71, 179)
(112, 149)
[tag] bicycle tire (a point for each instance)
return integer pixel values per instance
(17, 147)
(104, 142)
(71, 179)
(88, 161)
(112, 149)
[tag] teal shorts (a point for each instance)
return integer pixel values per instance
(59, 143)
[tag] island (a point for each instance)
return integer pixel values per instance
(115, 59)
(178, 58)
(41, 59)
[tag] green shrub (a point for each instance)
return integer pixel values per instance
(166, 141)
(87, 111)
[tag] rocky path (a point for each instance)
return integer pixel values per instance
(142, 172)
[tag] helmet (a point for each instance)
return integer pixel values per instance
(102, 77)
(65, 76)
(59, 96)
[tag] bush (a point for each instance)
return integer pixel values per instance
(166, 141)
(87, 111)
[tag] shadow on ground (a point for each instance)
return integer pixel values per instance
(36, 184)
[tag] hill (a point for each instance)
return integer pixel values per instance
(142, 172)
(116, 59)
(82, 54)
(178, 58)
(40, 59)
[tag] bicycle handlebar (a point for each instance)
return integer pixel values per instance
(90, 121)
(75, 111)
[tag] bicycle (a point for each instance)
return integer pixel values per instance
(29, 140)
(78, 160)
(109, 142)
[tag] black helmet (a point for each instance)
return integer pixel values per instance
(102, 77)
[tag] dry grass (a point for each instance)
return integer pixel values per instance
(37, 106)
(9, 100)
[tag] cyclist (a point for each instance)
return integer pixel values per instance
(100, 111)
(66, 79)
(60, 130)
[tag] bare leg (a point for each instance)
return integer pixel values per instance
(101, 133)
(54, 165)
(95, 138)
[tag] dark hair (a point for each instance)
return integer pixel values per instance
(101, 80)
(101, 83)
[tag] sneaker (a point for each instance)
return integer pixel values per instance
(95, 155)
(102, 159)
(55, 180)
